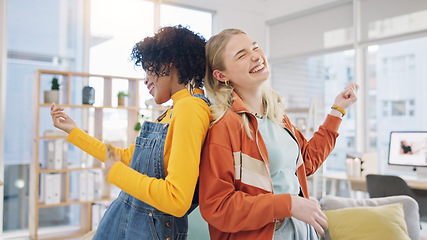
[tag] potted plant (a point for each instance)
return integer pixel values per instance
(52, 96)
(121, 98)
(138, 124)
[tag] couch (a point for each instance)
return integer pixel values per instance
(347, 216)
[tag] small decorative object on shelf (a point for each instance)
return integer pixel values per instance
(52, 96)
(138, 124)
(88, 95)
(121, 98)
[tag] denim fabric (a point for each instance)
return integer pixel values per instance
(128, 218)
(295, 229)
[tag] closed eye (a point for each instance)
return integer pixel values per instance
(241, 56)
(255, 46)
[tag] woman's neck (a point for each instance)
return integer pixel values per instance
(253, 101)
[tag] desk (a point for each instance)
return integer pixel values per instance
(415, 182)
(359, 183)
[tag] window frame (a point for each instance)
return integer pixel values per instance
(360, 48)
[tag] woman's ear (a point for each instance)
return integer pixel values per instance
(219, 76)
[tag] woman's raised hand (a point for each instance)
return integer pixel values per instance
(61, 120)
(347, 97)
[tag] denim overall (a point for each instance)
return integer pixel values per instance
(130, 218)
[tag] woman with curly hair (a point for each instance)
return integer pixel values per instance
(159, 172)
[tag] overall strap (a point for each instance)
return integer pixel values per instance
(201, 96)
(163, 115)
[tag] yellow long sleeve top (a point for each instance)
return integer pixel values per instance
(186, 134)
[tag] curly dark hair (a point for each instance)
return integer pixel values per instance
(177, 45)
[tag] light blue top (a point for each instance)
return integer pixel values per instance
(282, 152)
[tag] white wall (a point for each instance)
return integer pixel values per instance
(279, 8)
(249, 15)
(228, 14)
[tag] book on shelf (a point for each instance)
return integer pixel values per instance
(83, 185)
(57, 161)
(65, 147)
(96, 216)
(90, 191)
(97, 184)
(90, 188)
(50, 154)
(56, 154)
(52, 188)
(98, 210)
(57, 189)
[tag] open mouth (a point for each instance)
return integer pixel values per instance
(258, 68)
(150, 88)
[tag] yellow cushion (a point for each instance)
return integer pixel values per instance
(379, 222)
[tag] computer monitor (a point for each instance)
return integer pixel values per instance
(408, 148)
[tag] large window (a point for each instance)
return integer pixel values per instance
(116, 25)
(40, 34)
(311, 66)
(386, 55)
(309, 87)
(396, 86)
(198, 21)
(114, 35)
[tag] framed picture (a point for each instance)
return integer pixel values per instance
(408, 148)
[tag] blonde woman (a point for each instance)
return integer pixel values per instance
(255, 162)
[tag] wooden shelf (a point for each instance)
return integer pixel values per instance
(74, 202)
(61, 234)
(53, 137)
(95, 107)
(82, 74)
(68, 81)
(42, 170)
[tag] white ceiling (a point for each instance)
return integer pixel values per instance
(270, 9)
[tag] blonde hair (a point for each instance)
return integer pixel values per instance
(222, 94)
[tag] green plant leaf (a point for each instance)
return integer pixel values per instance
(137, 126)
(122, 94)
(55, 83)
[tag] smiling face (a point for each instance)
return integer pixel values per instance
(245, 63)
(163, 87)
